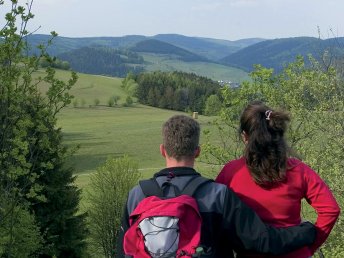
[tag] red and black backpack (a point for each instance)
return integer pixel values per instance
(165, 227)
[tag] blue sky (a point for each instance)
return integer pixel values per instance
(222, 19)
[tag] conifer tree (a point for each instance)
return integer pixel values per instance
(34, 181)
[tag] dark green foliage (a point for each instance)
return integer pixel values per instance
(19, 233)
(177, 90)
(105, 61)
(55, 63)
(63, 229)
(36, 189)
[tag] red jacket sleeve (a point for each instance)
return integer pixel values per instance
(320, 197)
(221, 178)
(227, 172)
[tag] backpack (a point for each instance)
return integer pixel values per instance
(165, 227)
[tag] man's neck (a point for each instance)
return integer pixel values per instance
(170, 162)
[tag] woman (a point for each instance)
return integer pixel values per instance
(272, 183)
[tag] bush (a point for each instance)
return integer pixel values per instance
(106, 196)
(129, 101)
(96, 102)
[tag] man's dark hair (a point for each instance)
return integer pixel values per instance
(181, 136)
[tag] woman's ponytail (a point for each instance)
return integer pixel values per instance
(266, 149)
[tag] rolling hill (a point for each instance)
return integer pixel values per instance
(160, 47)
(64, 44)
(212, 49)
(278, 52)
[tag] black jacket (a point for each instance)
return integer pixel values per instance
(227, 223)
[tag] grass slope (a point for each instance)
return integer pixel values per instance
(160, 47)
(101, 131)
(213, 71)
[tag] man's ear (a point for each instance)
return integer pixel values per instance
(197, 152)
(162, 150)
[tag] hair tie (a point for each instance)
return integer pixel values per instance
(267, 114)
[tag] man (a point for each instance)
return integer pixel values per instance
(227, 223)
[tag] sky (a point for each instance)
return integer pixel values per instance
(220, 19)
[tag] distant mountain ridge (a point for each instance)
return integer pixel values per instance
(277, 53)
(176, 52)
(65, 44)
(212, 49)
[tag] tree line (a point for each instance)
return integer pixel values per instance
(174, 90)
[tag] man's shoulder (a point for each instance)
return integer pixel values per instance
(214, 186)
(135, 190)
(134, 197)
(211, 197)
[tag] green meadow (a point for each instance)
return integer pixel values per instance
(100, 132)
(213, 71)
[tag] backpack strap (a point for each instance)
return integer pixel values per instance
(194, 184)
(150, 187)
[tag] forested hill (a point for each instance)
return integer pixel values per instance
(159, 47)
(65, 44)
(213, 49)
(102, 60)
(278, 52)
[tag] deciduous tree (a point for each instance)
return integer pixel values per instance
(36, 188)
(106, 197)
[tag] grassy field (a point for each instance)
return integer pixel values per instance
(213, 71)
(100, 132)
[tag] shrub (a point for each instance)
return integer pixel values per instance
(106, 197)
